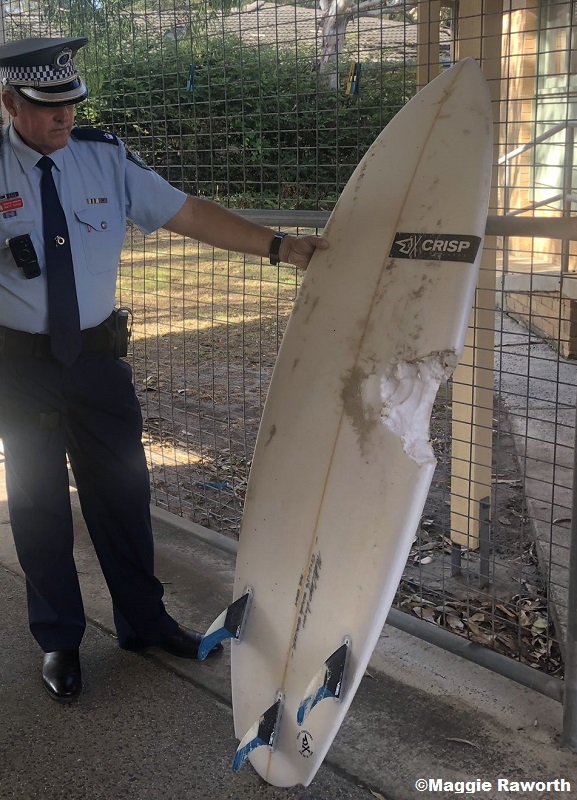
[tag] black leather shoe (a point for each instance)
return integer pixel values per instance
(185, 644)
(61, 674)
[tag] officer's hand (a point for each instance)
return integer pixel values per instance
(298, 250)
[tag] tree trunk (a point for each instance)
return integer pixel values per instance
(335, 16)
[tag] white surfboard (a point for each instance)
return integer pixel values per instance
(343, 463)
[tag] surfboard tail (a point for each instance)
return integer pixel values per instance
(228, 625)
(263, 733)
(329, 682)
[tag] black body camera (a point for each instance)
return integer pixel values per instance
(25, 255)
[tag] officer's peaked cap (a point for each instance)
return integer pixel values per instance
(42, 70)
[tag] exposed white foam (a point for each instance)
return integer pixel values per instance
(408, 391)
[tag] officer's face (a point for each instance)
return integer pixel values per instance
(42, 128)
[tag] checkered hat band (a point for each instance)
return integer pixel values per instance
(34, 75)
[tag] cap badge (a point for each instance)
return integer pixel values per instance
(63, 58)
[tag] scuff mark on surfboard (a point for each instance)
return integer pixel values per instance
(417, 293)
(363, 417)
(363, 171)
(408, 391)
(271, 435)
(305, 304)
(307, 585)
(314, 304)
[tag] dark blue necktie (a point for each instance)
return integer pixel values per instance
(63, 315)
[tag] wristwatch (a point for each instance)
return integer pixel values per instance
(275, 247)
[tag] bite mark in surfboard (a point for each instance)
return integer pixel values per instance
(401, 398)
(408, 391)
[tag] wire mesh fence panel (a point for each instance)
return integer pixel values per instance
(270, 106)
(535, 367)
(206, 333)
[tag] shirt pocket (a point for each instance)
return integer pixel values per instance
(102, 231)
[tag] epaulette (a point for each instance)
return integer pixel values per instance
(136, 159)
(94, 135)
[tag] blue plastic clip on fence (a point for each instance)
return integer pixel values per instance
(214, 484)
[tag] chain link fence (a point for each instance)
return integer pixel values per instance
(269, 107)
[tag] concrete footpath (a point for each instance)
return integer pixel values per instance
(158, 728)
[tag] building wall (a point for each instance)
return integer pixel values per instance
(527, 113)
(548, 314)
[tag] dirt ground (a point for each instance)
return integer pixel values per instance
(203, 355)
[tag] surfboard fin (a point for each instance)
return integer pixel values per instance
(228, 625)
(328, 682)
(262, 734)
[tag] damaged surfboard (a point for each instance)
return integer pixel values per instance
(343, 461)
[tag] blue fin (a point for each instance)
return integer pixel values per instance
(328, 682)
(262, 734)
(228, 625)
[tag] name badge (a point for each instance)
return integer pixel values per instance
(11, 205)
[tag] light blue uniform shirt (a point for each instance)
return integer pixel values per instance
(99, 189)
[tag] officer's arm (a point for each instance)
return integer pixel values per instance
(210, 223)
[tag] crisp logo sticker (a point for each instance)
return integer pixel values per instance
(305, 744)
(436, 247)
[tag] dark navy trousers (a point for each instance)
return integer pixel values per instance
(100, 430)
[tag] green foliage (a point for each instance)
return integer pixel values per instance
(260, 127)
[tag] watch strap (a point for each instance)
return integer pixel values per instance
(275, 247)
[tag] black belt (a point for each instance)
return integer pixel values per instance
(20, 344)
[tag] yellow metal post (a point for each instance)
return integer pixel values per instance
(479, 36)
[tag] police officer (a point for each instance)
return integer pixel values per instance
(65, 196)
